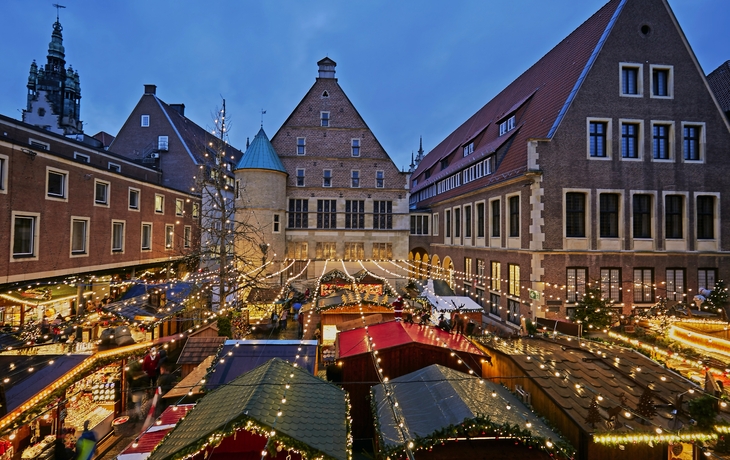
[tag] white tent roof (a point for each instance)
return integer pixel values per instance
(449, 303)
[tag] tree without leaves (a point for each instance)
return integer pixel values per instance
(230, 248)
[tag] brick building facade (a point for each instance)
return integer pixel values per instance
(602, 163)
(70, 209)
(343, 197)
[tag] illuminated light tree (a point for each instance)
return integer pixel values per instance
(645, 408)
(719, 298)
(593, 311)
(232, 265)
(593, 416)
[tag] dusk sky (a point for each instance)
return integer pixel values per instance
(411, 68)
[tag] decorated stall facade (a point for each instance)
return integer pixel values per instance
(277, 410)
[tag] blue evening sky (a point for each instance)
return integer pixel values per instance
(411, 67)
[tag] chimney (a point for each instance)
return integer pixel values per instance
(179, 108)
(326, 68)
(150, 89)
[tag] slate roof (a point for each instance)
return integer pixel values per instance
(540, 96)
(605, 370)
(196, 349)
(435, 397)
(260, 154)
(195, 139)
(397, 333)
(135, 307)
(316, 412)
(719, 81)
(241, 356)
(23, 383)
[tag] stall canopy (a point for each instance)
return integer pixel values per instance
(42, 295)
(135, 305)
(150, 438)
(396, 333)
(240, 356)
(27, 375)
(9, 341)
(444, 299)
(315, 418)
(437, 397)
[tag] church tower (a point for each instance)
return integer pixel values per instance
(54, 93)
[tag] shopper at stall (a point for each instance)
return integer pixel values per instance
(283, 318)
(150, 365)
(86, 445)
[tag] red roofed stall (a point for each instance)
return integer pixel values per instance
(402, 348)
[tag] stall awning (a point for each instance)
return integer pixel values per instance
(448, 302)
(147, 442)
(42, 295)
(137, 307)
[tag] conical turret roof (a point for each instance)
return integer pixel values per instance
(261, 155)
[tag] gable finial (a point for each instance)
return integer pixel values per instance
(263, 112)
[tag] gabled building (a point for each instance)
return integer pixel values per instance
(334, 191)
(160, 135)
(54, 92)
(605, 162)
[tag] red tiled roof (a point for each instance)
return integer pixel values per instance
(549, 81)
(396, 333)
(149, 439)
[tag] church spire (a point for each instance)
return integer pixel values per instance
(54, 92)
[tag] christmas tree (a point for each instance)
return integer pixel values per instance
(718, 297)
(594, 416)
(646, 408)
(593, 311)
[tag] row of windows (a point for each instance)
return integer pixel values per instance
(328, 250)
(631, 145)
(302, 146)
(57, 188)
(327, 178)
(454, 227)
(642, 212)
(26, 233)
(632, 80)
(327, 214)
(469, 174)
(643, 283)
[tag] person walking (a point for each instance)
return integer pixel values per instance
(86, 444)
(150, 365)
(300, 322)
(283, 318)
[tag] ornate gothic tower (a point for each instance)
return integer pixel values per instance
(54, 93)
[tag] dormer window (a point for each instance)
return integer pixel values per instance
(444, 163)
(468, 149)
(507, 125)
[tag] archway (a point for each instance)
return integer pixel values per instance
(435, 267)
(449, 270)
